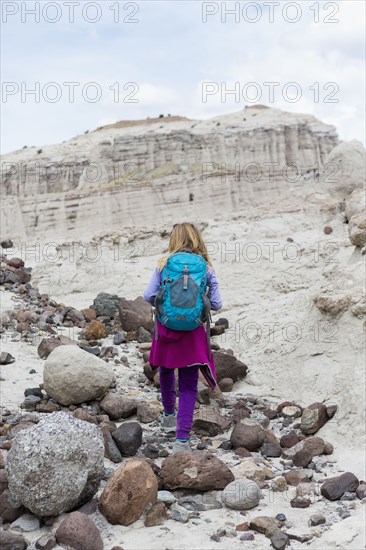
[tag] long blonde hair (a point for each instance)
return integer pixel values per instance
(185, 236)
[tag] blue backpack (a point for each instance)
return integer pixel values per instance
(182, 303)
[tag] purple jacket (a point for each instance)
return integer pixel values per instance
(214, 296)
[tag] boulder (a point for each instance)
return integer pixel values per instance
(207, 421)
(249, 434)
(79, 532)
(134, 314)
(106, 304)
(197, 470)
(335, 487)
(56, 465)
(128, 438)
(118, 406)
(72, 375)
(344, 169)
(129, 490)
(313, 418)
(241, 494)
(228, 366)
(357, 229)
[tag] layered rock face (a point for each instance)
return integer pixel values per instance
(136, 174)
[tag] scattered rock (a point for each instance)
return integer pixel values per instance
(47, 345)
(10, 511)
(106, 304)
(250, 434)
(207, 421)
(227, 366)
(60, 456)
(79, 532)
(134, 314)
(279, 484)
(156, 515)
(294, 477)
(328, 448)
(226, 384)
(300, 502)
(167, 497)
(111, 450)
(302, 458)
(316, 519)
(222, 321)
(179, 513)
(6, 358)
(249, 469)
(279, 540)
(72, 375)
(335, 487)
(26, 523)
(361, 490)
(147, 413)
(118, 406)
(95, 330)
(143, 335)
(46, 542)
(265, 525)
(128, 438)
(13, 541)
(289, 440)
(241, 494)
(313, 418)
(119, 338)
(357, 229)
(271, 449)
(200, 503)
(129, 490)
(195, 470)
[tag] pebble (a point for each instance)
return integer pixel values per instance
(348, 496)
(317, 519)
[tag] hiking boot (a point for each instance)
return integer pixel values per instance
(169, 423)
(181, 447)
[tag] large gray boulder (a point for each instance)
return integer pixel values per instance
(56, 465)
(72, 375)
(344, 169)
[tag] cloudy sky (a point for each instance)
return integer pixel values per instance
(131, 60)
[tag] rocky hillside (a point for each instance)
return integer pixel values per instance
(135, 172)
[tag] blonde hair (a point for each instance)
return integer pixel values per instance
(185, 236)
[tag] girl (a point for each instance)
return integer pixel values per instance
(186, 350)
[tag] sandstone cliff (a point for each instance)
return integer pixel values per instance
(138, 172)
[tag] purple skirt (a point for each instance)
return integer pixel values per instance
(175, 349)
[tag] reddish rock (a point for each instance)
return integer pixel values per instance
(281, 406)
(327, 230)
(251, 435)
(49, 344)
(294, 477)
(289, 440)
(89, 314)
(302, 458)
(228, 366)
(129, 490)
(207, 421)
(95, 330)
(79, 532)
(328, 448)
(313, 418)
(243, 452)
(156, 515)
(201, 471)
(300, 502)
(134, 314)
(335, 487)
(15, 262)
(242, 526)
(118, 406)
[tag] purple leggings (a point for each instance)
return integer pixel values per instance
(187, 384)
